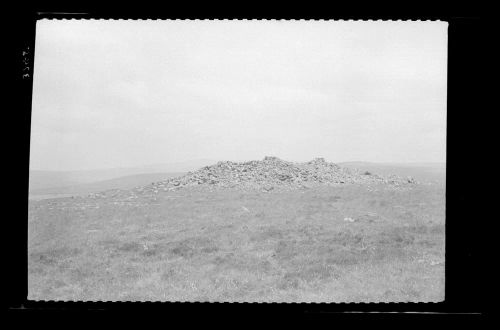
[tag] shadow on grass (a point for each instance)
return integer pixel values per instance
(53, 257)
(142, 251)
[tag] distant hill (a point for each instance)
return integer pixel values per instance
(55, 179)
(124, 182)
(424, 172)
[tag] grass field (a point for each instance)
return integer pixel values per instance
(231, 245)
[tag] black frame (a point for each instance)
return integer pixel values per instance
(463, 278)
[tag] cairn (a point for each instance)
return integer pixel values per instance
(272, 173)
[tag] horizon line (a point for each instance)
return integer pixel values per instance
(145, 166)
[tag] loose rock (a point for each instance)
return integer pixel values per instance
(272, 174)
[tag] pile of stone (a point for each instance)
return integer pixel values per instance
(270, 174)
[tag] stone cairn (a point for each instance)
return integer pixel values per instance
(270, 174)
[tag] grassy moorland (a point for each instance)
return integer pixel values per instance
(233, 245)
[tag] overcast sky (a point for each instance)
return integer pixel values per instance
(131, 93)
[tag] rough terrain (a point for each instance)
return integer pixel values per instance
(265, 230)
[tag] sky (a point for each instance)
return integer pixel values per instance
(131, 93)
